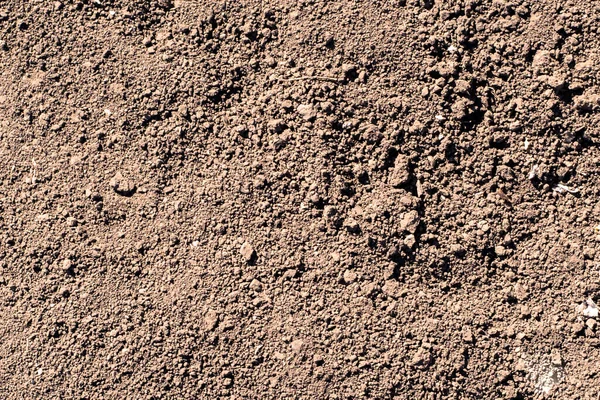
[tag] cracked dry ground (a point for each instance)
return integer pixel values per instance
(299, 199)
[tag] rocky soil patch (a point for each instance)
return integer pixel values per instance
(299, 199)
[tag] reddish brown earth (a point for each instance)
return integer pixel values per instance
(299, 199)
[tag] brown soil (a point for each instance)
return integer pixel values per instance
(382, 199)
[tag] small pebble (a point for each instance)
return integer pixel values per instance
(256, 285)
(577, 328)
(211, 320)
(590, 309)
(591, 324)
(247, 252)
(307, 111)
(410, 241)
(467, 335)
(349, 70)
(351, 225)
(503, 375)
(349, 276)
(297, 345)
(556, 358)
(66, 265)
(410, 222)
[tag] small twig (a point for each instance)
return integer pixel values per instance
(315, 78)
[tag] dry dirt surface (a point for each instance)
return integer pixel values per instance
(345, 199)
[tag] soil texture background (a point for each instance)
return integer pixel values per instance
(382, 199)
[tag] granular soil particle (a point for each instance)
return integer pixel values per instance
(299, 199)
